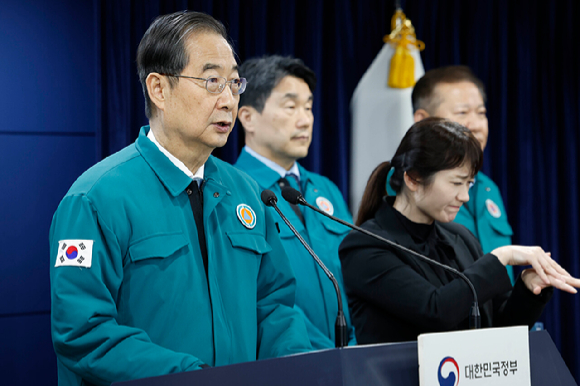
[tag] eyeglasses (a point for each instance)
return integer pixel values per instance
(216, 84)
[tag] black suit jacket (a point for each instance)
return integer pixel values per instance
(394, 296)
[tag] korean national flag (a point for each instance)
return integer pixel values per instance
(75, 253)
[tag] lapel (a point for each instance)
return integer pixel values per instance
(214, 189)
(262, 174)
(462, 253)
(174, 180)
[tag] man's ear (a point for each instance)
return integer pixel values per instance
(420, 114)
(411, 183)
(247, 116)
(155, 88)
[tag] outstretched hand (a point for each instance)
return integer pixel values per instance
(535, 284)
(545, 271)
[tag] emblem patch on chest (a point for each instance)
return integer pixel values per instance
(246, 216)
(325, 205)
(492, 208)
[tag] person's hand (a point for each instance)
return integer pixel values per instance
(546, 272)
(540, 261)
(535, 284)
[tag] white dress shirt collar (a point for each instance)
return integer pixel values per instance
(197, 176)
(273, 165)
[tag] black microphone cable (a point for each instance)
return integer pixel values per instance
(340, 328)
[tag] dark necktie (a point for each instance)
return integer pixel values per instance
(195, 194)
(292, 181)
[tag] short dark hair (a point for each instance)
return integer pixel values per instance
(424, 91)
(162, 48)
(264, 74)
(431, 145)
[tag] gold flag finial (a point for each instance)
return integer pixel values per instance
(403, 39)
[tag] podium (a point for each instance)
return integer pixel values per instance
(381, 365)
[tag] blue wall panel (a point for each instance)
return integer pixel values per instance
(50, 109)
(36, 172)
(49, 66)
(26, 353)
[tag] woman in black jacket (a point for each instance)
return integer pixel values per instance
(393, 295)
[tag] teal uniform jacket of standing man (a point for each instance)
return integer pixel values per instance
(276, 113)
(163, 258)
(455, 93)
(485, 216)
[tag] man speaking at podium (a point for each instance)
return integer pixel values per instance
(163, 258)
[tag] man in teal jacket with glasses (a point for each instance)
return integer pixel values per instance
(276, 113)
(163, 258)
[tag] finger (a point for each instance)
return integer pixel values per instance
(551, 267)
(558, 268)
(574, 282)
(537, 266)
(556, 283)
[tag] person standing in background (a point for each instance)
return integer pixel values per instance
(276, 114)
(455, 93)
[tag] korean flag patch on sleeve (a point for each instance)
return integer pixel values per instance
(74, 253)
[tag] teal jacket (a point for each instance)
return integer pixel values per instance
(315, 294)
(144, 307)
(485, 216)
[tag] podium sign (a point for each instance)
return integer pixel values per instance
(491, 356)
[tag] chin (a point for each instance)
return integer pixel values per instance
(300, 153)
(221, 141)
(450, 217)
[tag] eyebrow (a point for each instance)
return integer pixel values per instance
(291, 95)
(467, 105)
(212, 66)
(463, 177)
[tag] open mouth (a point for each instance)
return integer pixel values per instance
(223, 125)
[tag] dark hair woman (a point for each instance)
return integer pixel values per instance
(394, 296)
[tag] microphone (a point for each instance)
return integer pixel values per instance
(295, 197)
(340, 329)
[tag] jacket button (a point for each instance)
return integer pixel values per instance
(216, 194)
(188, 191)
(488, 189)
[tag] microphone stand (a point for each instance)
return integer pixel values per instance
(290, 194)
(340, 327)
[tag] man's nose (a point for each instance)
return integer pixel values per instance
(227, 100)
(305, 119)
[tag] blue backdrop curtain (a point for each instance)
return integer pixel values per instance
(525, 52)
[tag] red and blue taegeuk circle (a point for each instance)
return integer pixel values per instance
(72, 252)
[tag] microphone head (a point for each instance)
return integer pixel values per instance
(292, 195)
(268, 197)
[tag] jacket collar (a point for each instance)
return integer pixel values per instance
(175, 180)
(264, 176)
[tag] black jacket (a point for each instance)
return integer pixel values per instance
(394, 296)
